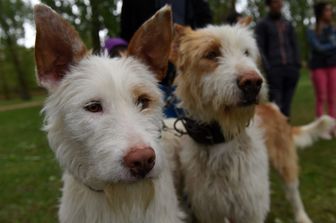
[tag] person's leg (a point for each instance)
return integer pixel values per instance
(274, 81)
(331, 91)
(319, 82)
(289, 85)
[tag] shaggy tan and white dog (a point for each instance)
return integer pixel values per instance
(103, 118)
(228, 180)
(222, 159)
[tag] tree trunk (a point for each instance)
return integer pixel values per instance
(4, 85)
(95, 26)
(12, 49)
(20, 75)
(232, 6)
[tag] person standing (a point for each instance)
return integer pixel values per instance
(277, 43)
(322, 39)
(193, 13)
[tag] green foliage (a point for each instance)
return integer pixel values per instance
(13, 15)
(7, 71)
(221, 9)
(80, 14)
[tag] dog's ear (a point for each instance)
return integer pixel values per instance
(57, 46)
(151, 42)
(246, 21)
(179, 32)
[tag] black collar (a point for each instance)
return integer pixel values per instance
(94, 189)
(205, 134)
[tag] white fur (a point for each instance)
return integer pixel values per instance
(320, 128)
(293, 195)
(227, 180)
(90, 146)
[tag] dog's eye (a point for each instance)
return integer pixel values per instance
(247, 53)
(94, 107)
(143, 102)
(212, 55)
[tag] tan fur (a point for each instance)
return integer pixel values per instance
(282, 153)
(151, 54)
(55, 53)
(221, 180)
(279, 140)
(190, 54)
(246, 21)
(154, 100)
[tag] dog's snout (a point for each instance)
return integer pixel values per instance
(140, 160)
(250, 84)
(249, 81)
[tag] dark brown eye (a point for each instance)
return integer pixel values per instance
(212, 55)
(143, 102)
(93, 106)
(247, 53)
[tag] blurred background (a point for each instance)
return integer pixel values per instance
(29, 175)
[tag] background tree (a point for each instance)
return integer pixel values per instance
(90, 18)
(93, 18)
(221, 9)
(13, 14)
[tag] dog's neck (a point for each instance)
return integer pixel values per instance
(93, 189)
(203, 133)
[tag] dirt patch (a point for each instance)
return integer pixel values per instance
(20, 106)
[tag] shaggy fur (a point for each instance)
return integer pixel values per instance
(230, 180)
(97, 111)
(282, 140)
(227, 180)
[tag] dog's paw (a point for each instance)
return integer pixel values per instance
(303, 218)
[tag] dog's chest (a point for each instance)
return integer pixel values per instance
(121, 203)
(229, 178)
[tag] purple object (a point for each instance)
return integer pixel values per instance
(110, 43)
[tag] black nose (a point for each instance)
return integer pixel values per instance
(250, 85)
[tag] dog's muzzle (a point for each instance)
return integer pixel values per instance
(250, 85)
(140, 161)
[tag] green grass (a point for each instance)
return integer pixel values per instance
(30, 177)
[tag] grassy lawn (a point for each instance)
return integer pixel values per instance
(29, 180)
(30, 177)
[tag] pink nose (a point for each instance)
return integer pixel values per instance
(140, 160)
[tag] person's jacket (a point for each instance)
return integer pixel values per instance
(323, 47)
(277, 42)
(194, 13)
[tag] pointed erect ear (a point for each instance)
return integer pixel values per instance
(57, 46)
(151, 43)
(179, 32)
(246, 21)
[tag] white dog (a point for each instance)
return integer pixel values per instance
(222, 159)
(103, 119)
